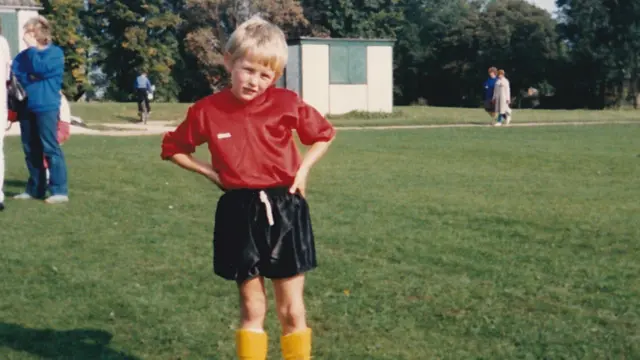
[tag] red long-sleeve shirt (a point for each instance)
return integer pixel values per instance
(251, 144)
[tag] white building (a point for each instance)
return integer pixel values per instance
(13, 15)
(338, 76)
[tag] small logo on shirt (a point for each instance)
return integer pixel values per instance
(224, 135)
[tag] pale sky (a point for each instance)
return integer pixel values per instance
(549, 5)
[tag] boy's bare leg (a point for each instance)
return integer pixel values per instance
(296, 336)
(251, 340)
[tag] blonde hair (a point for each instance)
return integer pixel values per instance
(500, 72)
(261, 41)
(41, 29)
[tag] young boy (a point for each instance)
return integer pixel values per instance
(262, 223)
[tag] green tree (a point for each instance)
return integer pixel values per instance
(135, 36)
(436, 51)
(355, 18)
(521, 39)
(585, 25)
(68, 34)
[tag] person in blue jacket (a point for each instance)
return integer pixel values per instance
(489, 85)
(39, 69)
(143, 89)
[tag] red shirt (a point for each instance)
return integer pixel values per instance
(251, 144)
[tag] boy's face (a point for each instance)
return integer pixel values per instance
(492, 75)
(249, 79)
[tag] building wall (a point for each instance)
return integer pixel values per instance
(346, 98)
(10, 29)
(23, 17)
(380, 78)
(293, 76)
(339, 76)
(315, 76)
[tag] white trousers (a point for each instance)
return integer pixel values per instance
(3, 125)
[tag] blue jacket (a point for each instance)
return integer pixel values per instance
(142, 82)
(488, 88)
(40, 73)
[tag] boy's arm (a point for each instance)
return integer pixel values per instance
(311, 126)
(188, 162)
(315, 153)
(315, 130)
(178, 145)
(185, 138)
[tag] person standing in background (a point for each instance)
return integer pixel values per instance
(39, 69)
(5, 70)
(143, 88)
(502, 99)
(489, 85)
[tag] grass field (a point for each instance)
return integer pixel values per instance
(95, 113)
(474, 243)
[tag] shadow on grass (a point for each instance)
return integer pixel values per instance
(16, 183)
(20, 184)
(131, 119)
(59, 344)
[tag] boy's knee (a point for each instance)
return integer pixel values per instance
(254, 309)
(292, 315)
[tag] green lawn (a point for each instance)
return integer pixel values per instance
(94, 113)
(477, 243)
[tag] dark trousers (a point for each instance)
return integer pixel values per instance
(39, 133)
(143, 97)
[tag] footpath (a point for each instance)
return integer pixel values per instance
(160, 127)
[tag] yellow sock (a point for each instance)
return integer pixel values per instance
(251, 345)
(296, 346)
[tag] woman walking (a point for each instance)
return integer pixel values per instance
(502, 99)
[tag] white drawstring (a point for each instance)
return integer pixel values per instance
(267, 204)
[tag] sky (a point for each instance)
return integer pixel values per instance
(549, 5)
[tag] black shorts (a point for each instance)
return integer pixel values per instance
(245, 245)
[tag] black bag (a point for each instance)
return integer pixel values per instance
(17, 96)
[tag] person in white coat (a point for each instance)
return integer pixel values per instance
(502, 99)
(5, 70)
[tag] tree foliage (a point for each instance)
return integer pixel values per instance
(69, 35)
(135, 36)
(588, 57)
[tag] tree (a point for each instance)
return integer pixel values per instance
(603, 37)
(135, 36)
(355, 18)
(68, 34)
(521, 39)
(436, 51)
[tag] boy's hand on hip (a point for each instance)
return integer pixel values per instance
(300, 182)
(212, 175)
